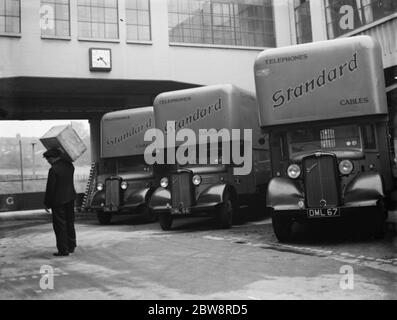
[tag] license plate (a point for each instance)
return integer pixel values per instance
(180, 210)
(323, 213)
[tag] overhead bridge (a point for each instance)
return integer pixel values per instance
(45, 98)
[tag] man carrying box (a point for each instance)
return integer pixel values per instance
(59, 196)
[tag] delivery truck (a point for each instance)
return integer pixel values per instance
(124, 181)
(324, 106)
(209, 179)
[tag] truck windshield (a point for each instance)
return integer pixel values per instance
(212, 156)
(132, 164)
(331, 138)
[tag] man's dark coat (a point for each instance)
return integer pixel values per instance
(60, 187)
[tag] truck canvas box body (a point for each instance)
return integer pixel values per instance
(324, 106)
(124, 180)
(209, 187)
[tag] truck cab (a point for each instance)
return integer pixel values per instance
(124, 181)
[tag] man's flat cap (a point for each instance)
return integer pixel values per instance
(52, 153)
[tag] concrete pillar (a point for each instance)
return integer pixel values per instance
(283, 23)
(95, 137)
(319, 26)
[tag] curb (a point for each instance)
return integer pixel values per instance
(38, 215)
(43, 215)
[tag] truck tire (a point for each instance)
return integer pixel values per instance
(165, 220)
(257, 208)
(224, 214)
(148, 214)
(104, 218)
(378, 221)
(282, 227)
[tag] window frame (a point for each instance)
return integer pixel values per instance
(58, 37)
(12, 34)
(91, 22)
(149, 11)
(302, 38)
(207, 31)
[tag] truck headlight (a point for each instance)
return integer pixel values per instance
(99, 186)
(345, 167)
(196, 180)
(124, 185)
(293, 171)
(164, 182)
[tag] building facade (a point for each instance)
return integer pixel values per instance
(77, 59)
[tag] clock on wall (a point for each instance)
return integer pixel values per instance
(100, 59)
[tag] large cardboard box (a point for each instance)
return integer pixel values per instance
(66, 139)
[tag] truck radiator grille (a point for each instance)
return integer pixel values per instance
(182, 190)
(112, 192)
(321, 181)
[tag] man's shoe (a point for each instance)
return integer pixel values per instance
(61, 254)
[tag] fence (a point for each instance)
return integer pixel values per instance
(17, 177)
(28, 201)
(12, 183)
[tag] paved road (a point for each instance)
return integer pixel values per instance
(133, 260)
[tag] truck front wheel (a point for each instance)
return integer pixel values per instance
(224, 214)
(104, 218)
(148, 214)
(378, 221)
(165, 220)
(282, 227)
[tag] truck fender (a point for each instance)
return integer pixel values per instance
(160, 198)
(364, 188)
(137, 197)
(98, 198)
(283, 194)
(215, 194)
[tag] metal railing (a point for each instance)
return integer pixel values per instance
(17, 177)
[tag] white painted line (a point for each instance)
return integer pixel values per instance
(369, 258)
(213, 238)
(349, 255)
(382, 260)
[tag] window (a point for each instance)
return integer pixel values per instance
(55, 18)
(223, 22)
(303, 23)
(98, 19)
(364, 12)
(132, 164)
(332, 138)
(327, 138)
(368, 134)
(10, 16)
(109, 166)
(138, 20)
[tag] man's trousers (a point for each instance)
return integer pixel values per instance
(63, 223)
